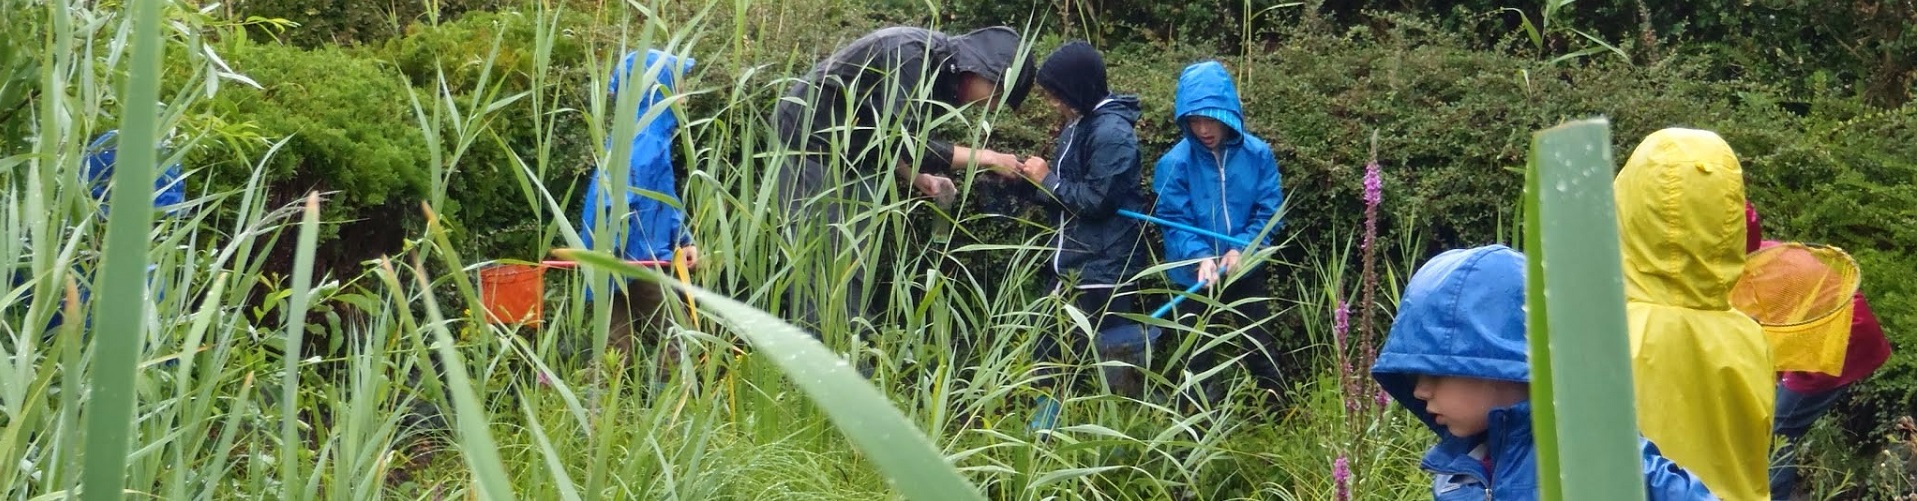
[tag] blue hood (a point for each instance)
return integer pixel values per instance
(1463, 316)
(1205, 89)
(663, 78)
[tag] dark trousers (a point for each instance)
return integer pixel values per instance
(1796, 412)
(1260, 350)
(817, 196)
(639, 311)
(1101, 306)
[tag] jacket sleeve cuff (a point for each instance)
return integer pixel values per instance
(938, 158)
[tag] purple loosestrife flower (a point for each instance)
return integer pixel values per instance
(1374, 184)
(1340, 320)
(1347, 377)
(1373, 195)
(1341, 478)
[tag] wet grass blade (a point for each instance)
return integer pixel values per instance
(295, 328)
(475, 438)
(900, 451)
(1581, 355)
(121, 287)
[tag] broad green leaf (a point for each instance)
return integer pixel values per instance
(1586, 421)
(865, 415)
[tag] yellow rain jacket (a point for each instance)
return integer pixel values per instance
(1702, 370)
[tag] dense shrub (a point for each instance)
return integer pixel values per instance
(347, 118)
(352, 22)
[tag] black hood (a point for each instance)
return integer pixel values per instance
(1075, 74)
(991, 53)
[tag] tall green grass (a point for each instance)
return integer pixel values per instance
(386, 382)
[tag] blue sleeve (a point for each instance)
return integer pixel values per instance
(1666, 481)
(1098, 194)
(589, 213)
(170, 189)
(1174, 204)
(1269, 196)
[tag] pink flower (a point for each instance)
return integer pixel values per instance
(1341, 321)
(544, 380)
(1374, 184)
(1341, 478)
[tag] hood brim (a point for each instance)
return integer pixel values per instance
(1206, 89)
(994, 54)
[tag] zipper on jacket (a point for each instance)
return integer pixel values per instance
(1071, 132)
(1224, 198)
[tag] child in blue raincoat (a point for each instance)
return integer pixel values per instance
(654, 229)
(1223, 178)
(96, 176)
(1457, 359)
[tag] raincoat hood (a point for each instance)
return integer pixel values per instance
(1680, 206)
(1075, 74)
(1125, 107)
(659, 75)
(1206, 90)
(1701, 371)
(991, 53)
(1462, 316)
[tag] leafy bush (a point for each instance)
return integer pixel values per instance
(352, 22)
(346, 118)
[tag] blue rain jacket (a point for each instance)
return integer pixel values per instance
(654, 228)
(1463, 316)
(1233, 190)
(96, 174)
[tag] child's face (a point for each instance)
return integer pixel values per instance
(974, 89)
(1209, 131)
(1463, 405)
(1057, 104)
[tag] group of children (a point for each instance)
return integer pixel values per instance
(1456, 356)
(1705, 384)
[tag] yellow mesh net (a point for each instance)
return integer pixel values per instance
(1801, 295)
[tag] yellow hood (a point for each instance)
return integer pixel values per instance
(1680, 210)
(1702, 371)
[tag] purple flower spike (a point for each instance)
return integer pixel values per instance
(1341, 478)
(1374, 184)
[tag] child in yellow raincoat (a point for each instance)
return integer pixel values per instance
(1702, 370)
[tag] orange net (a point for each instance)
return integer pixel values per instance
(1801, 295)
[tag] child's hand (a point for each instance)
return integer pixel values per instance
(1208, 272)
(690, 254)
(1007, 166)
(1035, 169)
(1230, 260)
(940, 188)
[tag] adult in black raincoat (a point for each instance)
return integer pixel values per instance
(865, 112)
